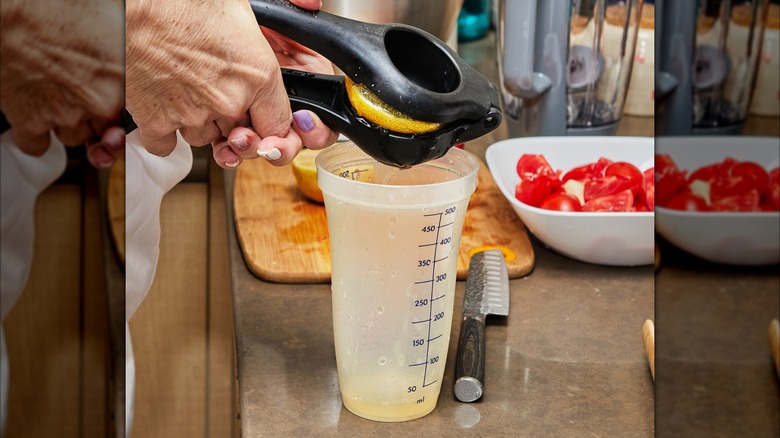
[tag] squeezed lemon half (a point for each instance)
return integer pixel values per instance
(373, 109)
(305, 172)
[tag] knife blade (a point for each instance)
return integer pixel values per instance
(487, 293)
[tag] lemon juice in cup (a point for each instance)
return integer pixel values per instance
(394, 237)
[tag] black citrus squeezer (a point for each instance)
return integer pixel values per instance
(405, 67)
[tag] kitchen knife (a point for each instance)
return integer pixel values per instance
(487, 293)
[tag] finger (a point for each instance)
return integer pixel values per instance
(270, 112)
(313, 133)
(280, 150)
(74, 136)
(158, 143)
(100, 124)
(114, 141)
(32, 143)
(244, 142)
(203, 135)
(227, 124)
(312, 5)
(291, 54)
(109, 149)
(224, 156)
(99, 156)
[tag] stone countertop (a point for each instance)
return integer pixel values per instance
(567, 361)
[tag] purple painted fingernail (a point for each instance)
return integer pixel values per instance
(304, 120)
(240, 142)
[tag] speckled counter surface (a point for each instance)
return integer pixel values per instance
(568, 361)
(713, 369)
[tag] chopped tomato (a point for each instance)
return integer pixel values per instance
(649, 177)
(743, 202)
(606, 186)
(706, 173)
(588, 171)
(687, 201)
(713, 171)
(664, 166)
(729, 185)
(542, 186)
(627, 171)
(669, 180)
(534, 191)
(562, 202)
(668, 187)
(751, 171)
(772, 198)
(619, 202)
(531, 165)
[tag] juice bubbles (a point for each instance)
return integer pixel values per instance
(394, 238)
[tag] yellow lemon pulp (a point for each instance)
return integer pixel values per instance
(373, 109)
(305, 172)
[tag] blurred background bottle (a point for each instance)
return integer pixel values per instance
(709, 54)
(766, 95)
(474, 19)
(640, 100)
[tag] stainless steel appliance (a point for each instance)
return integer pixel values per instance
(565, 64)
(708, 55)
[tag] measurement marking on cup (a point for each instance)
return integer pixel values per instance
(438, 240)
(353, 174)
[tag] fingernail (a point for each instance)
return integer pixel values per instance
(271, 154)
(240, 142)
(233, 163)
(304, 120)
(115, 139)
(105, 163)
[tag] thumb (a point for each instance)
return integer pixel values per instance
(270, 113)
(35, 144)
(312, 5)
(160, 144)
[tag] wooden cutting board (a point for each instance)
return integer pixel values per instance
(284, 237)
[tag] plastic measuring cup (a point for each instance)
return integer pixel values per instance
(394, 237)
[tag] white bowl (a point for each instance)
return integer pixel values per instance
(618, 239)
(730, 238)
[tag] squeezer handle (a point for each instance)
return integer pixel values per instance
(324, 95)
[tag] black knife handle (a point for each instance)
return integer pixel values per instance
(470, 363)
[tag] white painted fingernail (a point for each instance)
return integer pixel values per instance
(233, 163)
(271, 154)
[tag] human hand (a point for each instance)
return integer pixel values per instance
(62, 69)
(104, 152)
(207, 70)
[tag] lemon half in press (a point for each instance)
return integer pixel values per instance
(373, 109)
